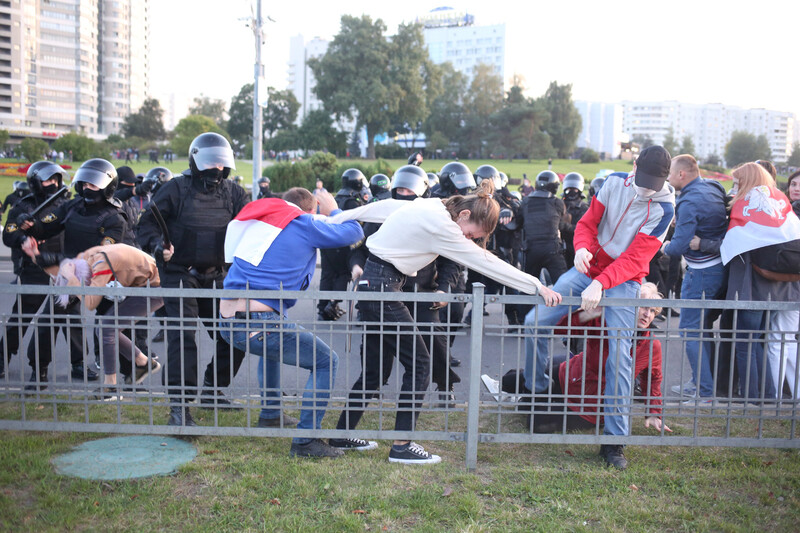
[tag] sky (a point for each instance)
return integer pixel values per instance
(701, 51)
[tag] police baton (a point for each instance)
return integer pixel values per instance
(47, 203)
(161, 224)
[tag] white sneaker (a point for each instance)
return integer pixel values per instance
(493, 386)
(412, 453)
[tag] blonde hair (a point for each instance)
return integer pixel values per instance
(750, 175)
(483, 209)
(649, 291)
(686, 163)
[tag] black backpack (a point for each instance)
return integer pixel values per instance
(778, 262)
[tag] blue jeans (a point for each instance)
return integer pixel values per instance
(710, 281)
(262, 336)
(750, 355)
(620, 322)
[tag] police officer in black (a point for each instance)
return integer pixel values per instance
(20, 191)
(135, 196)
(94, 218)
(573, 198)
(263, 188)
(44, 179)
(197, 207)
(542, 212)
(380, 186)
(335, 263)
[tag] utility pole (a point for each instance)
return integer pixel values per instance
(258, 131)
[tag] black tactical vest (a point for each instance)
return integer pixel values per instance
(542, 215)
(198, 228)
(84, 226)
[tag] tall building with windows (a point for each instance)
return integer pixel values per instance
(453, 36)
(71, 65)
(601, 127)
(300, 77)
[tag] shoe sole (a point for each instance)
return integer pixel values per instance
(371, 445)
(434, 459)
(149, 372)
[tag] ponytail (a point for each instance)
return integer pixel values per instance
(484, 209)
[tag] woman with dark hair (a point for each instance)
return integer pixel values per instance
(793, 191)
(412, 235)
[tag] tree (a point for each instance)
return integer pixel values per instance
(240, 114)
(281, 111)
(589, 156)
(34, 149)
(744, 146)
(213, 108)
(712, 159)
(444, 122)
(317, 133)
(189, 128)
(483, 98)
(4, 136)
(670, 144)
(642, 140)
(565, 120)
(687, 145)
(146, 123)
(794, 159)
(517, 129)
(82, 147)
(362, 76)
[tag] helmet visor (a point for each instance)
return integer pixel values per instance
(214, 157)
(98, 178)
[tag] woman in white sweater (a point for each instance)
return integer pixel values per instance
(412, 235)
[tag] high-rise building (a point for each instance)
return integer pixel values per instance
(71, 65)
(601, 127)
(301, 78)
(453, 36)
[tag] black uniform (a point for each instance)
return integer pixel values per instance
(575, 209)
(335, 262)
(196, 220)
(13, 198)
(541, 215)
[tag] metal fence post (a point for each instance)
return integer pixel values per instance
(475, 354)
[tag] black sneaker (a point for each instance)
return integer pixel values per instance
(314, 448)
(180, 416)
(37, 382)
(286, 420)
(613, 455)
(151, 367)
(77, 373)
(210, 399)
(159, 337)
(107, 393)
(412, 454)
(454, 362)
(353, 444)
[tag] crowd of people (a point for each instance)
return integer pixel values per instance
(414, 232)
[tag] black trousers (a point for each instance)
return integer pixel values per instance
(181, 343)
(50, 320)
(383, 343)
(334, 272)
(436, 340)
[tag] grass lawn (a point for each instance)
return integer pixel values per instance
(242, 484)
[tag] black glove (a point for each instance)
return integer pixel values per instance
(25, 217)
(415, 159)
(144, 187)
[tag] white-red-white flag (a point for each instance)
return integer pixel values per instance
(252, 232)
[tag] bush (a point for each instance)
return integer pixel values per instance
(34, 149)
(589, 156)
(714, 168)
(390, 151)
(321, 165)
(82, 147)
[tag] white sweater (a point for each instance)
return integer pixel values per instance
(414, 233)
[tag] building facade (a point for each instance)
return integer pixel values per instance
(300, 77)
(71, 65)
(601, 127)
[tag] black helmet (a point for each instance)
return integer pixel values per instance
(433, 179)
(211, 150)
(547, 180)
(574, 180)
(262, 180)
(159, 174)
(379, 183)
(410, 177)
(42, 171)
(456, 178)
(595, 186)
(20, 185)
(488, 172)
(99, 173)
(352, 178)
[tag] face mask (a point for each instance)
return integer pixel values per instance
(572, 195)
(50, 189)
(643, 192)
(408, 197)
(264, 189)
(92, 197)
(211, 177)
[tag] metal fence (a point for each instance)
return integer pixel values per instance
(473, 413)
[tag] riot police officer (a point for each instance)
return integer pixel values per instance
(20, 191)
(334, 262)
(573, 198)
(134, 196)
(594, 187)
(197, 207)
(542, 212)
(380, 187)
(44, 179)
(158, 176)
(263, 188)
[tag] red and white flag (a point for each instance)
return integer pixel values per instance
(762, 218)
(252, 232)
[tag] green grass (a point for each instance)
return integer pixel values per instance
(242, 484)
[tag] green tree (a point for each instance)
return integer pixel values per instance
(317, 133)
(794, 159)
(565, 121)
(517, 129)
(213, 108)
(712, 159)
(82, 147)
(361, 76)
(4, 136)
(670, 144)
(240, 114)
(34, 149)
(483, 98)
(589, 156)
(444, 121)
(281, 111)
(642, 140)
(147, 122)
(190, 127)
(744, 146)
(687, 145)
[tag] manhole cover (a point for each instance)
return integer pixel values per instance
(125, 458)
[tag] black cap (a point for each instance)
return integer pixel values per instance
(652, 168)
(126, 175)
